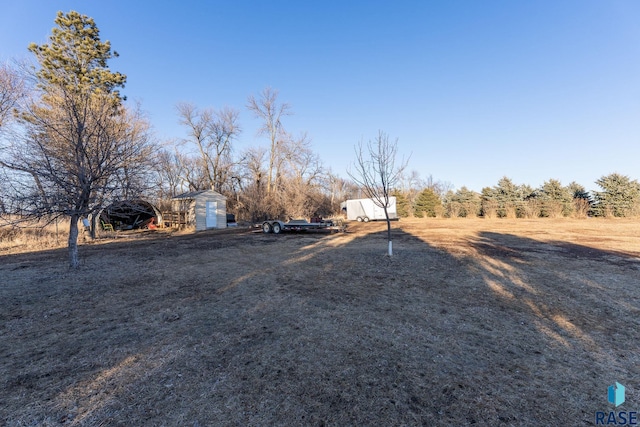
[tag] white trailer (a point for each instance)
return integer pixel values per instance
(365, 210)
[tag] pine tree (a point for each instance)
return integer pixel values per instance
(80, 143)
(427, 204)
(489, 202)
(620, 196)
(578, 191)
(556, 199)
(402, 204)
(582, 200)
(75, 61)
(464, 203)
(509, 198)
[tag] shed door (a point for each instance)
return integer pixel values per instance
(212, 214)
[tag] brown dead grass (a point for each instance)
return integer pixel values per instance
(33, 236)
(472, 322)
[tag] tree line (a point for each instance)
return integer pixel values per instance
(71, 144)
(283, 178)
(619, 196)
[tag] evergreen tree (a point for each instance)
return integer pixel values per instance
(76, 60)
(464, 203)
(531, 205)
(620, 196)
(489, 202)
(582, 200)
(509, 198)
(427, 204)
(80, 144)
(451, 206)
(556, 199)
(578, 191)
(402, 203)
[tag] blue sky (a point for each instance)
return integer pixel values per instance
(473, 90)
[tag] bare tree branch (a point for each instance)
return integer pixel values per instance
(213, 132)
(266, 107)
(377, 172)
(79, 146)
(12, 89)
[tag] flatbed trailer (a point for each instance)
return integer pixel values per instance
(276, 226)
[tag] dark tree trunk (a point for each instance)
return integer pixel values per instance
(94, 220)
(74, 261)
(386, 215)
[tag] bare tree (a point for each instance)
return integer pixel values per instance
(213, 133)
(168, 175)
(252, 183)
(266, 107)
(79, 143)
(302, 162)
(377, 172)
(294, 173)
(340, 189)
(12, 88)
(411, 184)
(300, 178)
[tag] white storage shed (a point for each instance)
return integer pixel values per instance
(204, 209)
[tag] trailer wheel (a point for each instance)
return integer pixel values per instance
(359, 219)
(276, 228)
(365, 219)
(266, 228)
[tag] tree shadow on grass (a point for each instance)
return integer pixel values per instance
(558, 280)
(578, 307)
(323, 330)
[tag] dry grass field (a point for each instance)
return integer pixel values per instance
(472, 322)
